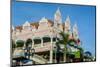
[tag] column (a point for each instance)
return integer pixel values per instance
(33, 43)
(24, 45)
(41, 42)
(51, 51)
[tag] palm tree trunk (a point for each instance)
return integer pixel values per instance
(65, 50)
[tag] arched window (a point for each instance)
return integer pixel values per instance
(37, 41)
(46, 39)
(19, 43)
(28, 42)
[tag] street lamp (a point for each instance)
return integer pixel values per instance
(32, 52)
(29, 51)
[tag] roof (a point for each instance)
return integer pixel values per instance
(18, 27)
(36, 24)
(51, 22)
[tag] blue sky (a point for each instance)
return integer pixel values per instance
(84, 16)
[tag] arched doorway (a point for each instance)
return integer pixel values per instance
(46, 40)
(29, 51)
(28, 43)
(37, 41)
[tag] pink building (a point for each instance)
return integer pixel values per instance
(45, 28)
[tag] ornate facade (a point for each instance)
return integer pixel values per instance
(44, 28)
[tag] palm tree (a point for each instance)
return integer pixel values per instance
(72, 43)
(57, 52)
(63, 41)
(81, 54)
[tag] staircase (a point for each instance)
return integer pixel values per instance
(39, 59)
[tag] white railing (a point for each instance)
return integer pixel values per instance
(37, 45)
(44, 44)
(46, 47)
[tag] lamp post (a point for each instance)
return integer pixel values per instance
(29, 51)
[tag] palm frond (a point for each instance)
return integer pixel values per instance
(60, 42)
(64, 36)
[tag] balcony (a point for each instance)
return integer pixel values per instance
(45, 47)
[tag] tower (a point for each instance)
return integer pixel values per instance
(67, 25)
(75, 32)
(57, 18)
(76, 35)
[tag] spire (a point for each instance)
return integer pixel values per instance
(75, 31)
(57, 17)
(67, 19)
(58, 11)
(67, 23)
(75, 34)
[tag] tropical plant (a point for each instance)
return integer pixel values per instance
(57, 52)
(81, 54)
(72, 43)
(64, 41)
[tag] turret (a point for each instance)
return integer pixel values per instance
(57, 18)
(67, 25)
